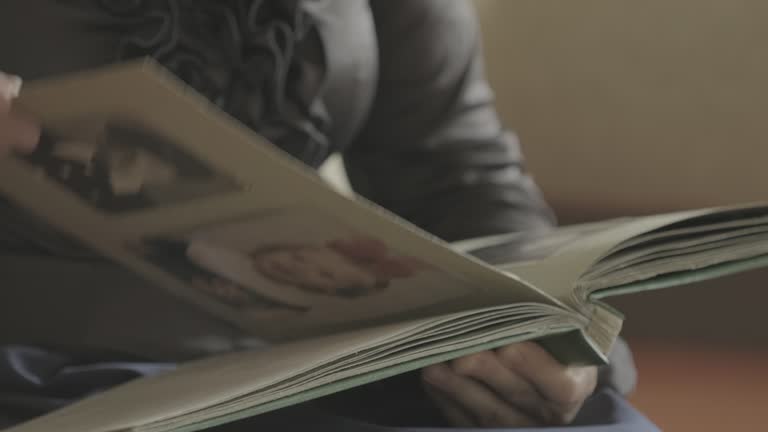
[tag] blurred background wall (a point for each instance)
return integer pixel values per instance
(634, 107)
(628, 107)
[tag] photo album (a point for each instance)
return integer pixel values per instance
(137, 168)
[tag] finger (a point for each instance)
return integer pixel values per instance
(481, 403)
(486, 367)
(556, 382)
(565, 387)
(9, 89)
(452, 411)
(18, 133)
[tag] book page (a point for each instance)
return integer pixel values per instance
(668, 242)
(135, 166)
(245, 383)
(685, 260)
(557, 260)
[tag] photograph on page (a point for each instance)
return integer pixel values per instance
(117, 165)
(300, 264)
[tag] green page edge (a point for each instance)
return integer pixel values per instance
(558, 341)
(684, 277)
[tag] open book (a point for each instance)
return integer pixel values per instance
(136, 167)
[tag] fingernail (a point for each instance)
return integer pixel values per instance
(10, 86)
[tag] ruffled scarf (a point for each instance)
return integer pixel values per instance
(259, 60)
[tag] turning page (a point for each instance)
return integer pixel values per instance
(136, 167)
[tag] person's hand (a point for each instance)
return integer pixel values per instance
(17, 133)
(515, 386)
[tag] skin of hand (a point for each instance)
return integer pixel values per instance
(519, 385)
(17, 132)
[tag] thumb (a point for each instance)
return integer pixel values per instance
(24, 134)
(9, 89)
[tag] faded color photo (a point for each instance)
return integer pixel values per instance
(119, 166)
(263, 261)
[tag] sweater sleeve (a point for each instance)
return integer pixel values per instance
(433, 150)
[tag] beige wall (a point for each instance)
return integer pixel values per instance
(633, 106)
(639, 106)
